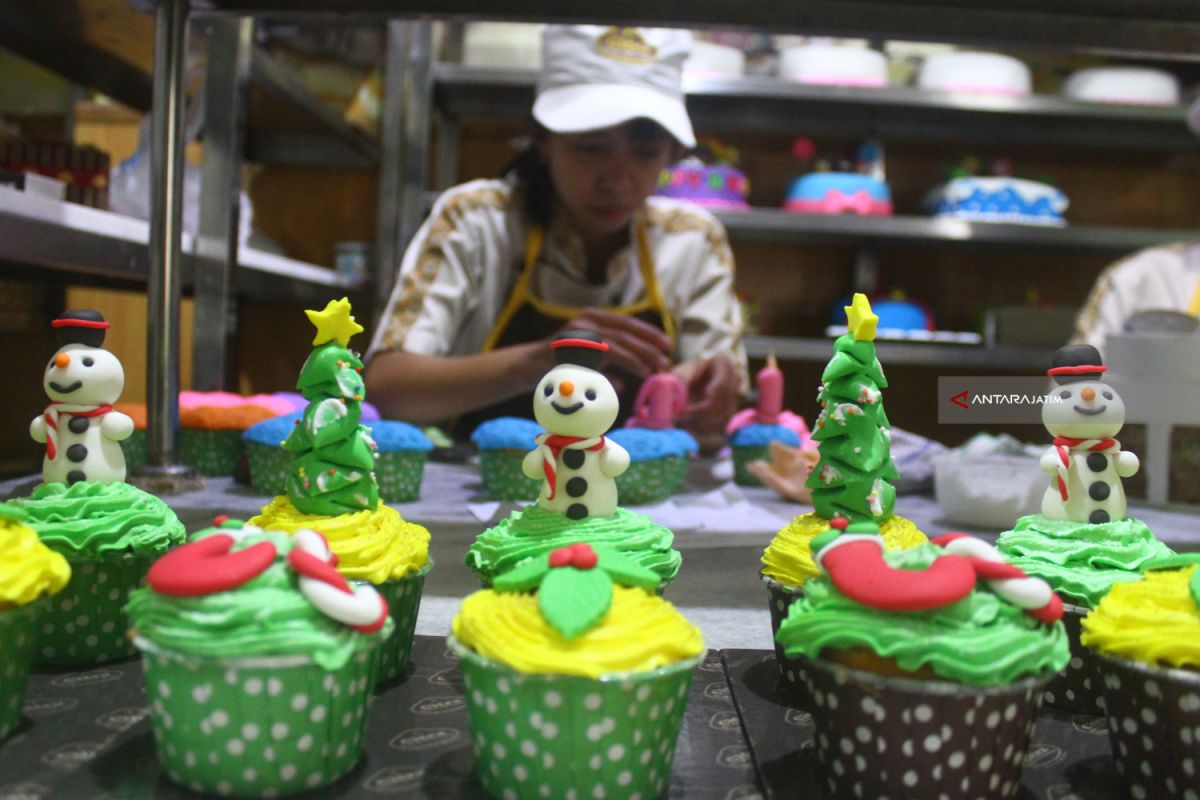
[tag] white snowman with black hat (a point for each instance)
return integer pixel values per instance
(81, 431)
(576, 405)
(1086, 463)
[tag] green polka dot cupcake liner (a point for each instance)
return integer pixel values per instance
(17, 628)
(538, 736)
(399, 475)
(652, 481)
(503, 478)
(269, 465)
(743, 456)
(209, 452)
(404, 602)
(86, 623)
(791, 670)
(134, 448)
(256, 727)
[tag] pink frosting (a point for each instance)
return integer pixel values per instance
(835, 202)
(277, 405)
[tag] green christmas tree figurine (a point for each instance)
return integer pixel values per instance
(333, 456)
(851, 478)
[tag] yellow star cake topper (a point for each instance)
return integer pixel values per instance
(334, 323)
(860, 319)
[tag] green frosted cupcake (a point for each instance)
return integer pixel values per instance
(658, 463)
(400, 462)
(751, 443)
(259, 662)
(109, 533)
(503, 444)
(29, 572)
(579, 689)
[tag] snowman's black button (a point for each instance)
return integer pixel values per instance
(78, 424)
(1098, 517)
(76, 453)
(75, 476)
(1097, 462)
(576, 487)
(574, 458)
(576, 511)
(1099, 490)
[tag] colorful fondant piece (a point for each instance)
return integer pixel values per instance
(769, 410)
(839, 193)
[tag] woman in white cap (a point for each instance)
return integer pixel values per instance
(570, 238)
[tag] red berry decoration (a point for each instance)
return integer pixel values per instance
(561, 557)
(220, 519)
(839, 523)
(584, 556)
(206, 566)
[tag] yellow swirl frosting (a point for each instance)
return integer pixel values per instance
(788, 558)
(1153, 620)
(28, 569)
(375, 546)
(640, 632)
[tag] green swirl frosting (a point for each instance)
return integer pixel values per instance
(533, 531)
(980, 640)
(93, 519)
(266, 616)
(1081, 560)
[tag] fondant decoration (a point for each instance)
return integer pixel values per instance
(834, 65)
(575, 584)
(1086, 462)
(852, 555)
(853, 432)
(998, 199)
(787, 470)
(576, 405)
(81, 431)
(333, 456)
(1141, 86)
(209, 565)
(769, 409)
(975, 73)
(839, 193)
(660, 401)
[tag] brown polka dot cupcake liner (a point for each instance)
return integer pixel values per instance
(86, 623)
(404, 602)
(560, 736)
(791, 670)
(17, 633)
(503, 478)
(887, 737)
(1077, 687)
(652, 481)
(1154, 727)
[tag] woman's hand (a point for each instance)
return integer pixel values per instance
(633, 345)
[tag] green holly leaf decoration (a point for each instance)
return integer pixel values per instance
(525, 576)
(625, 571)
(573, 600)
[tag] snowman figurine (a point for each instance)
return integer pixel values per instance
(1086, 463)
(81, 432)
(576, 405)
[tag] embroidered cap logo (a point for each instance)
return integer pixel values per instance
(627, 46)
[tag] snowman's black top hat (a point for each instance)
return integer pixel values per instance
(583, 348)
(1076, 362)
(80, 326)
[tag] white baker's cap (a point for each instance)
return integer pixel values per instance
(596, 76)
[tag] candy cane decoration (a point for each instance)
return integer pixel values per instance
(207, 566)
(359, 607)
(1012, 583)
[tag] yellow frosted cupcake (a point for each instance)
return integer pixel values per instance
(577, 689)
(29, 571)
(1146, 639)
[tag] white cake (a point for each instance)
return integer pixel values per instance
(833, 65)
(977, 73)
(709, 60)
(507, 45)
(1132, 85)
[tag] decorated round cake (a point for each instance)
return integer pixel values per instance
(839, 193)
(717, 186)
(259, 661)
(975, 73)
(834, 65)
(577, 465)
(576, 675)
(1142, 86)
(998, 198)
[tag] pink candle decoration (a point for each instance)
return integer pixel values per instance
(769, 411)
(659, 402)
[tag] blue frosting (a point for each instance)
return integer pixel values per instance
(390, 436)
(272, 431)
(759, 435)
(506, 433)
(987, 203)
(646, 444)
(816, 185)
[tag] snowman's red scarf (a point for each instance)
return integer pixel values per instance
(57, 407)
(556, 444)
(1065, 444)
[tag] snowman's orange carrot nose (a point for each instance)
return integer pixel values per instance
(565, 388)
(62, 360)
(1088, 394)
